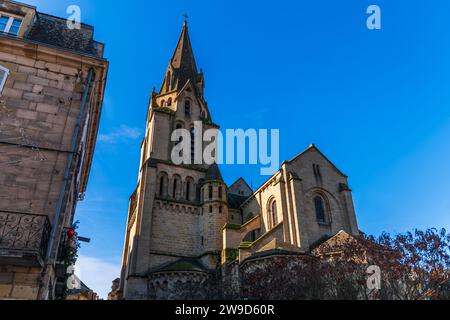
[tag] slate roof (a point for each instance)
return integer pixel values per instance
(213, 173)
(235, 201)
(53, 31)
(184, 264)
(182, 64)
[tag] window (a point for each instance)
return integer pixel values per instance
(4, 72)
(163, 184)
(320, 209)
(210, 209)
(272, 217)
(199, 190)
(192, 144)
(187, 107)
(317, 173)
(273, 211)
(175, 187)
(180, 138)
(188, 190)
(10, 25)
(220, 192)
(220, 209)
(210, 192)
(169, 102)
(168, 80)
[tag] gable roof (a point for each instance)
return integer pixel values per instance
(312, 147)
(245, 183)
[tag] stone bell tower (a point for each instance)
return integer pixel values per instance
(177, 212)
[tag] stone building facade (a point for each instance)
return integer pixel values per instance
(185, 225)
(52, 87)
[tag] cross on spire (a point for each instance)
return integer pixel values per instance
(186, 17)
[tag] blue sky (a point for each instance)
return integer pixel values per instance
(377, 103)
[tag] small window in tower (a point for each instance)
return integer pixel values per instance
(187, 107)
(192, 144)
(180, 138)
(202, 240)
(4, 72)
(210, 192)
(188, 190)
(168, 81)
(220, 192)
(161, 186)
(175, 181)
(220, 209)
(210, 209)
(169, 102)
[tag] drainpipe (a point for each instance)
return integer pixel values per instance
(67, 172)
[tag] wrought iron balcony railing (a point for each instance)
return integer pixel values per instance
(23, 235)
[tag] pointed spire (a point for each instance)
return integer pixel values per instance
(182, 66)
(213, 173)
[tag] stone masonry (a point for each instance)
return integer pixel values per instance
(185, 226)
(49, 114)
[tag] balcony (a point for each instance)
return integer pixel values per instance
(23, 238)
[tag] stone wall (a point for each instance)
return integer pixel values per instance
(39, 107)
(19, 282)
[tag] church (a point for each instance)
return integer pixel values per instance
(185, 223)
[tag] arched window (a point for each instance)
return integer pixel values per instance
(163, 103)
(210, 192)
(192, 144)
(189, 188)
(176, 186)
(180, 138)
(169, 102)
(162, 187)
(320, 209)
(187, 107)
(273, 210)
(199, 190)
(168, 80)
(220, 192)
(272, 218)
(210, 209)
